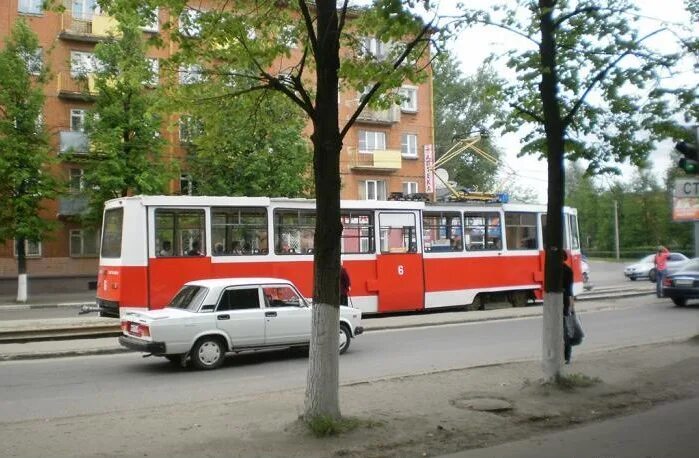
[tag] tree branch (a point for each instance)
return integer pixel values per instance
(600, 76)
(343, 17)
(527, 112)
(309, 26)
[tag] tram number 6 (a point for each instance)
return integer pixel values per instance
(401, 270)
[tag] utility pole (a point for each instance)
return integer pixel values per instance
(616, 228)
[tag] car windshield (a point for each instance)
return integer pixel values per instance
(188, 298)
(692, 265)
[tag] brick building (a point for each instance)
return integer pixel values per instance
(384, 152)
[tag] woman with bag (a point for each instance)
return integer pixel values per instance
(572, 329)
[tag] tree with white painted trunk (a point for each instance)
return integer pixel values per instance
(589, 86)
(25, 176)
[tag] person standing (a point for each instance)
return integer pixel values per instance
(567, 279)
(345, 286)
(660, 262)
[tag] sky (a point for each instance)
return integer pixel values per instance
(475, 45)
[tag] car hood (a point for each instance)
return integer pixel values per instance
(155, 315)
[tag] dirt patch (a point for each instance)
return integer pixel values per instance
(402, 417)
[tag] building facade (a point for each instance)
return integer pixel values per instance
(383, 153)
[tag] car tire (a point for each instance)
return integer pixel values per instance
(345, 338)
(652, 275)
(679, 301)
(632, 278)
(208, 353)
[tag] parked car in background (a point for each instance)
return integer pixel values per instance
(209, 318)
(645, 268)
(683, 284)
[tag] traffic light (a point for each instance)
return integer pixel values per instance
(690, 162)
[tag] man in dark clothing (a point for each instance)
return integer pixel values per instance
(567, 279)
(345, 285)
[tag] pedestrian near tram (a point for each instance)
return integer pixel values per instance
(345, 286)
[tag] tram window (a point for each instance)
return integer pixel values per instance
(521, 231)
(574, 236)
(442, 231)
(239, 231)
(294, 231)
(357, 232)
(111, 234)
(397, 232)
(482, 231)
(179, 232)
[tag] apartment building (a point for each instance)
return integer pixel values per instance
(385, 152)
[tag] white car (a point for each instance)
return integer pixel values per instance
(209, 318)
(646, 267)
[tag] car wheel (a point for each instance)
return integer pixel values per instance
(632, 278)
(652, 275)
(586, 277)
(208, 353)
(679, 301)
(345, 338)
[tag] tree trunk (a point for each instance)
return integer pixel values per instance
(552, 335)
(21, 271)
(322, 384)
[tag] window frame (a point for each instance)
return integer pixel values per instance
(301, 234)
(409, 104)
(260, 231)
(363, 137)
(37, 253)
(445, 229)
(107, 249)
(80, 177)
(406, 148)
(238, 288)
(352, 220)
(80, 114)
(83, 234)
(514, 233)
(489, 242)
(175, 236)
(33, 7)
(384, 244)
(410, 185)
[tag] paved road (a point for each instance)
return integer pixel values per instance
(54, 388)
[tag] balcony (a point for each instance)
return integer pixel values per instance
(73, 142)
(72, 206)
(389, 116)
(78, 88)
(375, 161)
(90, 28)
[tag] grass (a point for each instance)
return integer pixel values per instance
(325, 426)
(572, 381)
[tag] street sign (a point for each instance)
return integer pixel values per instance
(429, 169)
(685, 202)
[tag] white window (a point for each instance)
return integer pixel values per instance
(186, 185)
(409, 96)
(76, 181)
(30, 6)
(408, 145)
(373, 47)
(370, 140)
(77, 120)
(82, 63)
(189, 21)
(83, 242)
(372, 190)
(154, 24)
(34, 61)
(190, 128)
(191, 74)
(154, 65)
(409, 187)
(84, 9)
(31, 249)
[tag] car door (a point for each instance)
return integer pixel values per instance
(239, 314)
(675, 261)
(287, 316)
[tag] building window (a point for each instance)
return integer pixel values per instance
(409, 96)
(154, 65)
(408, 145)
(83, 242)
(82, 64)
(190, 129)
(30, 6)
(76, 181)
(373, 47)
(31, 249)
(370, 140)
(372, 190)
(190, 25)
(84, 9)
(34, 61)
(77, 120)
(154, 23)
(191, 74)
(187, 185)
(409, 187)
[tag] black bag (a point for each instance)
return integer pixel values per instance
(573, 329)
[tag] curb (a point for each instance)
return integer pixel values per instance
(63, 354)
(16, 307)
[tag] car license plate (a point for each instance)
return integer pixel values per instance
(134, 329)
(682, 282)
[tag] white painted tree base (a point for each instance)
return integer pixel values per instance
(22, 288)
(322, 383)
(552, 335)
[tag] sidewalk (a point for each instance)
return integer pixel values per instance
(91, 324)
(35, 301)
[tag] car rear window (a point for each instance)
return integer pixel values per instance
(188, 298)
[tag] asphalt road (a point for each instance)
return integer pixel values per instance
(54, 388)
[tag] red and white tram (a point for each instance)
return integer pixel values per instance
(400, 255)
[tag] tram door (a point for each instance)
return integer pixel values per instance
(399, 263)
